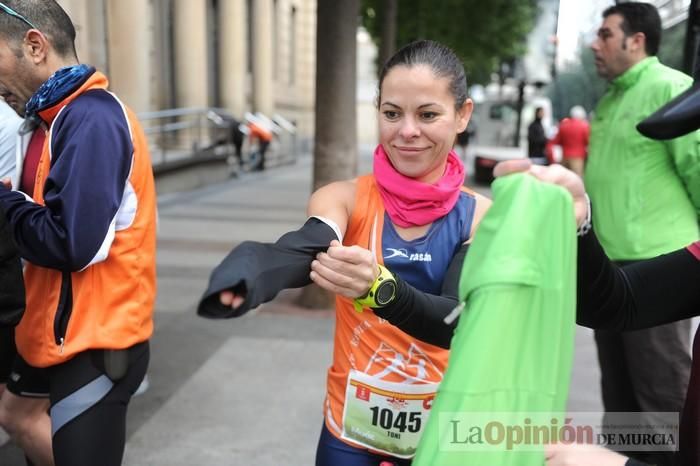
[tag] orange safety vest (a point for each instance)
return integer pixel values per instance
(363, 341)
(110, 303)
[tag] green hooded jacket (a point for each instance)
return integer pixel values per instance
(645, 193)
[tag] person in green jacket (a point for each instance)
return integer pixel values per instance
(646, 195)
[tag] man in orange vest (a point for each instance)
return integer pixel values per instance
(263, 136)
(87, 233)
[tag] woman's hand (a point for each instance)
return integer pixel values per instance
(581, 455)
(554, 174)
(229, 298)
(346, 270)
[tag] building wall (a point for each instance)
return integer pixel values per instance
(367, 129)
(672, 12)
(163, 54)
(295, 73)
(130, 42)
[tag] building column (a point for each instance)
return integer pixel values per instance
(98, 41)
(232, 55)
(191, 70)
(130, 49)
(89, 19)
(263, 95)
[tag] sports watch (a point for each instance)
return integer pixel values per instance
(381, 292)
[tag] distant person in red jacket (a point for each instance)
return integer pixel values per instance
(573, 139)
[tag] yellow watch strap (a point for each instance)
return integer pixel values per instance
(369, 300)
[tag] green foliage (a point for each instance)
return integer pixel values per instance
(482, 33)
(578, 84)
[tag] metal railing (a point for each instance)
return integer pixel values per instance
(182, 137)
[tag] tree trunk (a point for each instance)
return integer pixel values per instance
(335, 146)
(387, 44)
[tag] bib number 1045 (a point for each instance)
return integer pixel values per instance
(401, 421)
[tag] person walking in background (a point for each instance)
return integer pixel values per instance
(646, 198)
(87, 235)
(536, 138)
(573, 138)
(9, 126)
(261, 136)
(464, 138)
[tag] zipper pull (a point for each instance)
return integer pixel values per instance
(63, 342)
(452, 316)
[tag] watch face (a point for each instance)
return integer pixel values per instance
(385, 292)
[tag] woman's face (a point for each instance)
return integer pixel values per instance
(418, 122)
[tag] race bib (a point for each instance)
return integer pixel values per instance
(387, 417)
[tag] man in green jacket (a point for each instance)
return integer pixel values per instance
(646, 200)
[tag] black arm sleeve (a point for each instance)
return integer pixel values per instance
(633, 462)
(640, 295)
(261, 270)
(422, 315)
(11, 281)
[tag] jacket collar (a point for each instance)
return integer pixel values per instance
(632, 75)
(95, 80)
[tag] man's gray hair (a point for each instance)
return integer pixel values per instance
(578, 112)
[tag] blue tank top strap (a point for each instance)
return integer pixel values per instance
(423, 261)
(470, 208)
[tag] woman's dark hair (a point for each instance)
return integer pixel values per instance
(441, 59)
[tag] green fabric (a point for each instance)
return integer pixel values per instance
(512, 350)
(645, 193)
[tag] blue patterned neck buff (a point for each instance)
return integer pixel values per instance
(57, 87)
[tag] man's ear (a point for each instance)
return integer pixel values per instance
(639, 41)
(36, 46)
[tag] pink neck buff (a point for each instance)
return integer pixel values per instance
(413, 203)
(695, 249)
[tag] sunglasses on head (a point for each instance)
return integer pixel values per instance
(12, 12)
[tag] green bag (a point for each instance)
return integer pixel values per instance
(512, 351)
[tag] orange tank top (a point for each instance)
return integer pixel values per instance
(376, 366)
